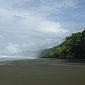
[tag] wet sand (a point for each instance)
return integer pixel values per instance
(41, 72)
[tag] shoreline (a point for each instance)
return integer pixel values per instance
(45, 61)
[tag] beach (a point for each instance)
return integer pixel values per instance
(41, 72)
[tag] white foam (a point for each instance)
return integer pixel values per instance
(5, 57)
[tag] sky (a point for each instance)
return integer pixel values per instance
(30, 25)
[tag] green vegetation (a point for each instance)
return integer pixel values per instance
(72, 47)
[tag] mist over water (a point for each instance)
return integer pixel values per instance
(20, 55)
(12, 57)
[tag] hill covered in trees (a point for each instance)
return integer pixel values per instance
(72, 47)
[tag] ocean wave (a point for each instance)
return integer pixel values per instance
(5, 57)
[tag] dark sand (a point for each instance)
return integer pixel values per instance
(41, 72)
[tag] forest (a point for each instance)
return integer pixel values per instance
(72, 47)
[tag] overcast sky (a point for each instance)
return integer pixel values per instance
(37, 24)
